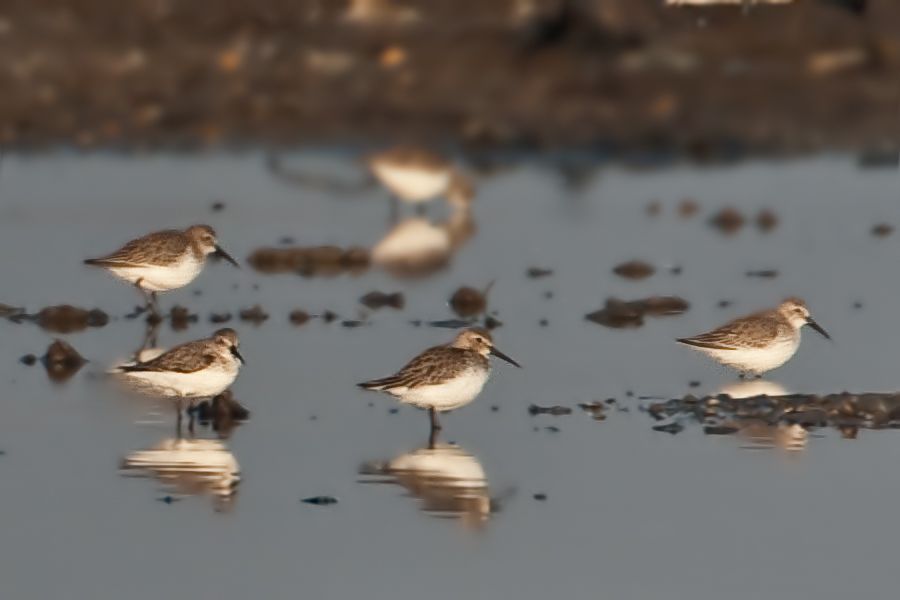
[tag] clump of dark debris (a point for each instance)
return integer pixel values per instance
(728, 220)
(723, 414)
(634, 269)
(620, 314)
(62, 361)
(255, 315)
(376, 300)
(310, 261)
(63, 318)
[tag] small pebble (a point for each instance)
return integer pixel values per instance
(882, 230)
(540, 497)
(320, 500)
(537, 272)
(298, 317)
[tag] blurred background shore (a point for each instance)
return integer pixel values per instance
(622, 75)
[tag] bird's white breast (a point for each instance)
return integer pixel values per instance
(757, 360)
(449, 395)
(205, 383)
(158, 278)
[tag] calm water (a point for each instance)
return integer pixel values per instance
(630, 513)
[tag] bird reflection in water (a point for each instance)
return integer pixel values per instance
(762, 434)
(189, 467)
(448, 481)
(418, 247)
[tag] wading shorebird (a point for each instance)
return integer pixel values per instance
(416, 175)
(164, 260)
(444, 377)
(759, 342)
(194, 370)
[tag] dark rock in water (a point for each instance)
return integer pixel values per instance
(66, 318)
(168, 499)
(688, 208)
(450, 323)
(298, 317)
(540, 496)
(763, 273)
(356, 259)
(180, 318)
(62, 361)
(352, 323)
(882, 230)
(217, 206)
(28, 360)
(311, 261)
(376, 300)
(766, 220)
(724, 303)
(491, 323)
(634, 269)
(557, 410)
(468, 302)
(254, 314)
(617, 314)
(223, 317)
(328, 316)
(224, 412)
(552, 429)
(537, 272)
(720, 429)
(674, 427)
(694, 384)
(393, 411)
(320, 500)
(543, 322)
(728, 220)
(224, 406)
(659, 306)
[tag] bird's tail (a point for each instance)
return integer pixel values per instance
(378, 384)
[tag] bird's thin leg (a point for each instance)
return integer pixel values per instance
(178, 409)
(435, 426)
(432, 437)
(191, 420)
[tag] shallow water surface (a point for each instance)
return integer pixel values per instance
(101, 500)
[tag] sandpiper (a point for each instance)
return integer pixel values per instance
(164, 260)
(444, 377)
(759, 342)
(199, 369)
(416, 175)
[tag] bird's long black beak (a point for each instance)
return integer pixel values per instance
(502, 356)
(236, 353)
(221, 253)
(812, 323)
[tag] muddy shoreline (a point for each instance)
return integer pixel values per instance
(617, 75)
